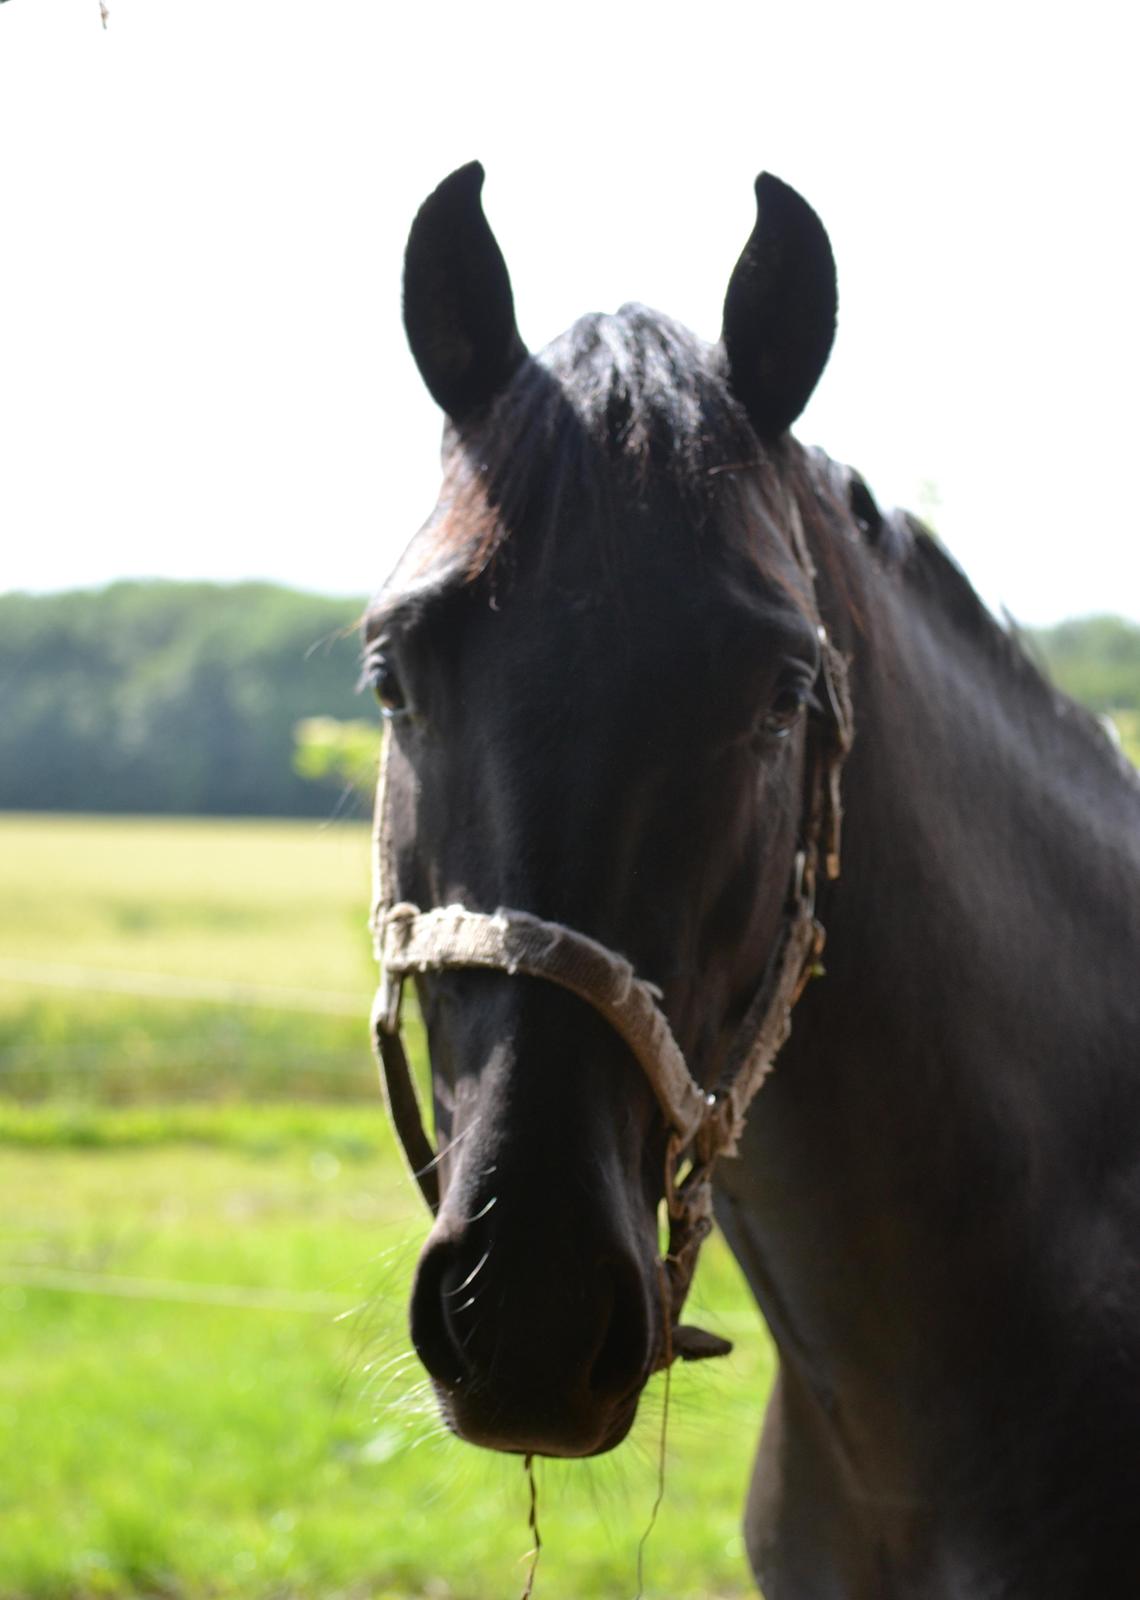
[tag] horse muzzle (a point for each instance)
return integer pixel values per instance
(527, 1352)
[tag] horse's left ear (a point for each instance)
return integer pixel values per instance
(779, 312)
(459, 312)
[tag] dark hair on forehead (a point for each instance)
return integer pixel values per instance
(625, 415)
(650, 391)
(629, 405)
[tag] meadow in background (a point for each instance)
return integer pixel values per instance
(206, 1386)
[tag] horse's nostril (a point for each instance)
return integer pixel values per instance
(433, 1332)
(622, 1357)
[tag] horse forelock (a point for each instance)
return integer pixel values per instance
(624, 416)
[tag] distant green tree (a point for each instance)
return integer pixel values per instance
(165, 697)
(344, 753)
(1096, 660)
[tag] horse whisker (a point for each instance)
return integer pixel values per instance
(470, 1278)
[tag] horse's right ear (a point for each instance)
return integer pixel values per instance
(779, 312)
(459, 312)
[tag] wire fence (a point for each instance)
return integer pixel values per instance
(162, 1059)
(166, 986)
(20, 1060)
(174, 1291)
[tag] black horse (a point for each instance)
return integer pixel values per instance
(606, 661)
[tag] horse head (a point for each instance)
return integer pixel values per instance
(601, 664)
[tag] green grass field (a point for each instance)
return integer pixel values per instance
(205, 1244)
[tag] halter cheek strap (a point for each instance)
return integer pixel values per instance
(702, 1124)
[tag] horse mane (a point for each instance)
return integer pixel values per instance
(904, 545)
(647, 394)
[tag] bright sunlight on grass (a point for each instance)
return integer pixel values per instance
(205, 1381)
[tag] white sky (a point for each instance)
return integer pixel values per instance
(203, 211)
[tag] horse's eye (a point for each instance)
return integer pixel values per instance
(791, 696)
(384, 681)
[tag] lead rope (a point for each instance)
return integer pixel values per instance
(702, 1125)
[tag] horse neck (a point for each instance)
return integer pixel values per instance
(991, 843)
(963, 1055)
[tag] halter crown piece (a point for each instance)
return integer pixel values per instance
(702, 1124)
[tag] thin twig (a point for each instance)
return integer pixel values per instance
(660, 1488)
(532, 1524)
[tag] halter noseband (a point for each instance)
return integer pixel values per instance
(702, 1124)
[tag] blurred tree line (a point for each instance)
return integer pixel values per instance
(172, 697)
(1096, 660)
(235, 700)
